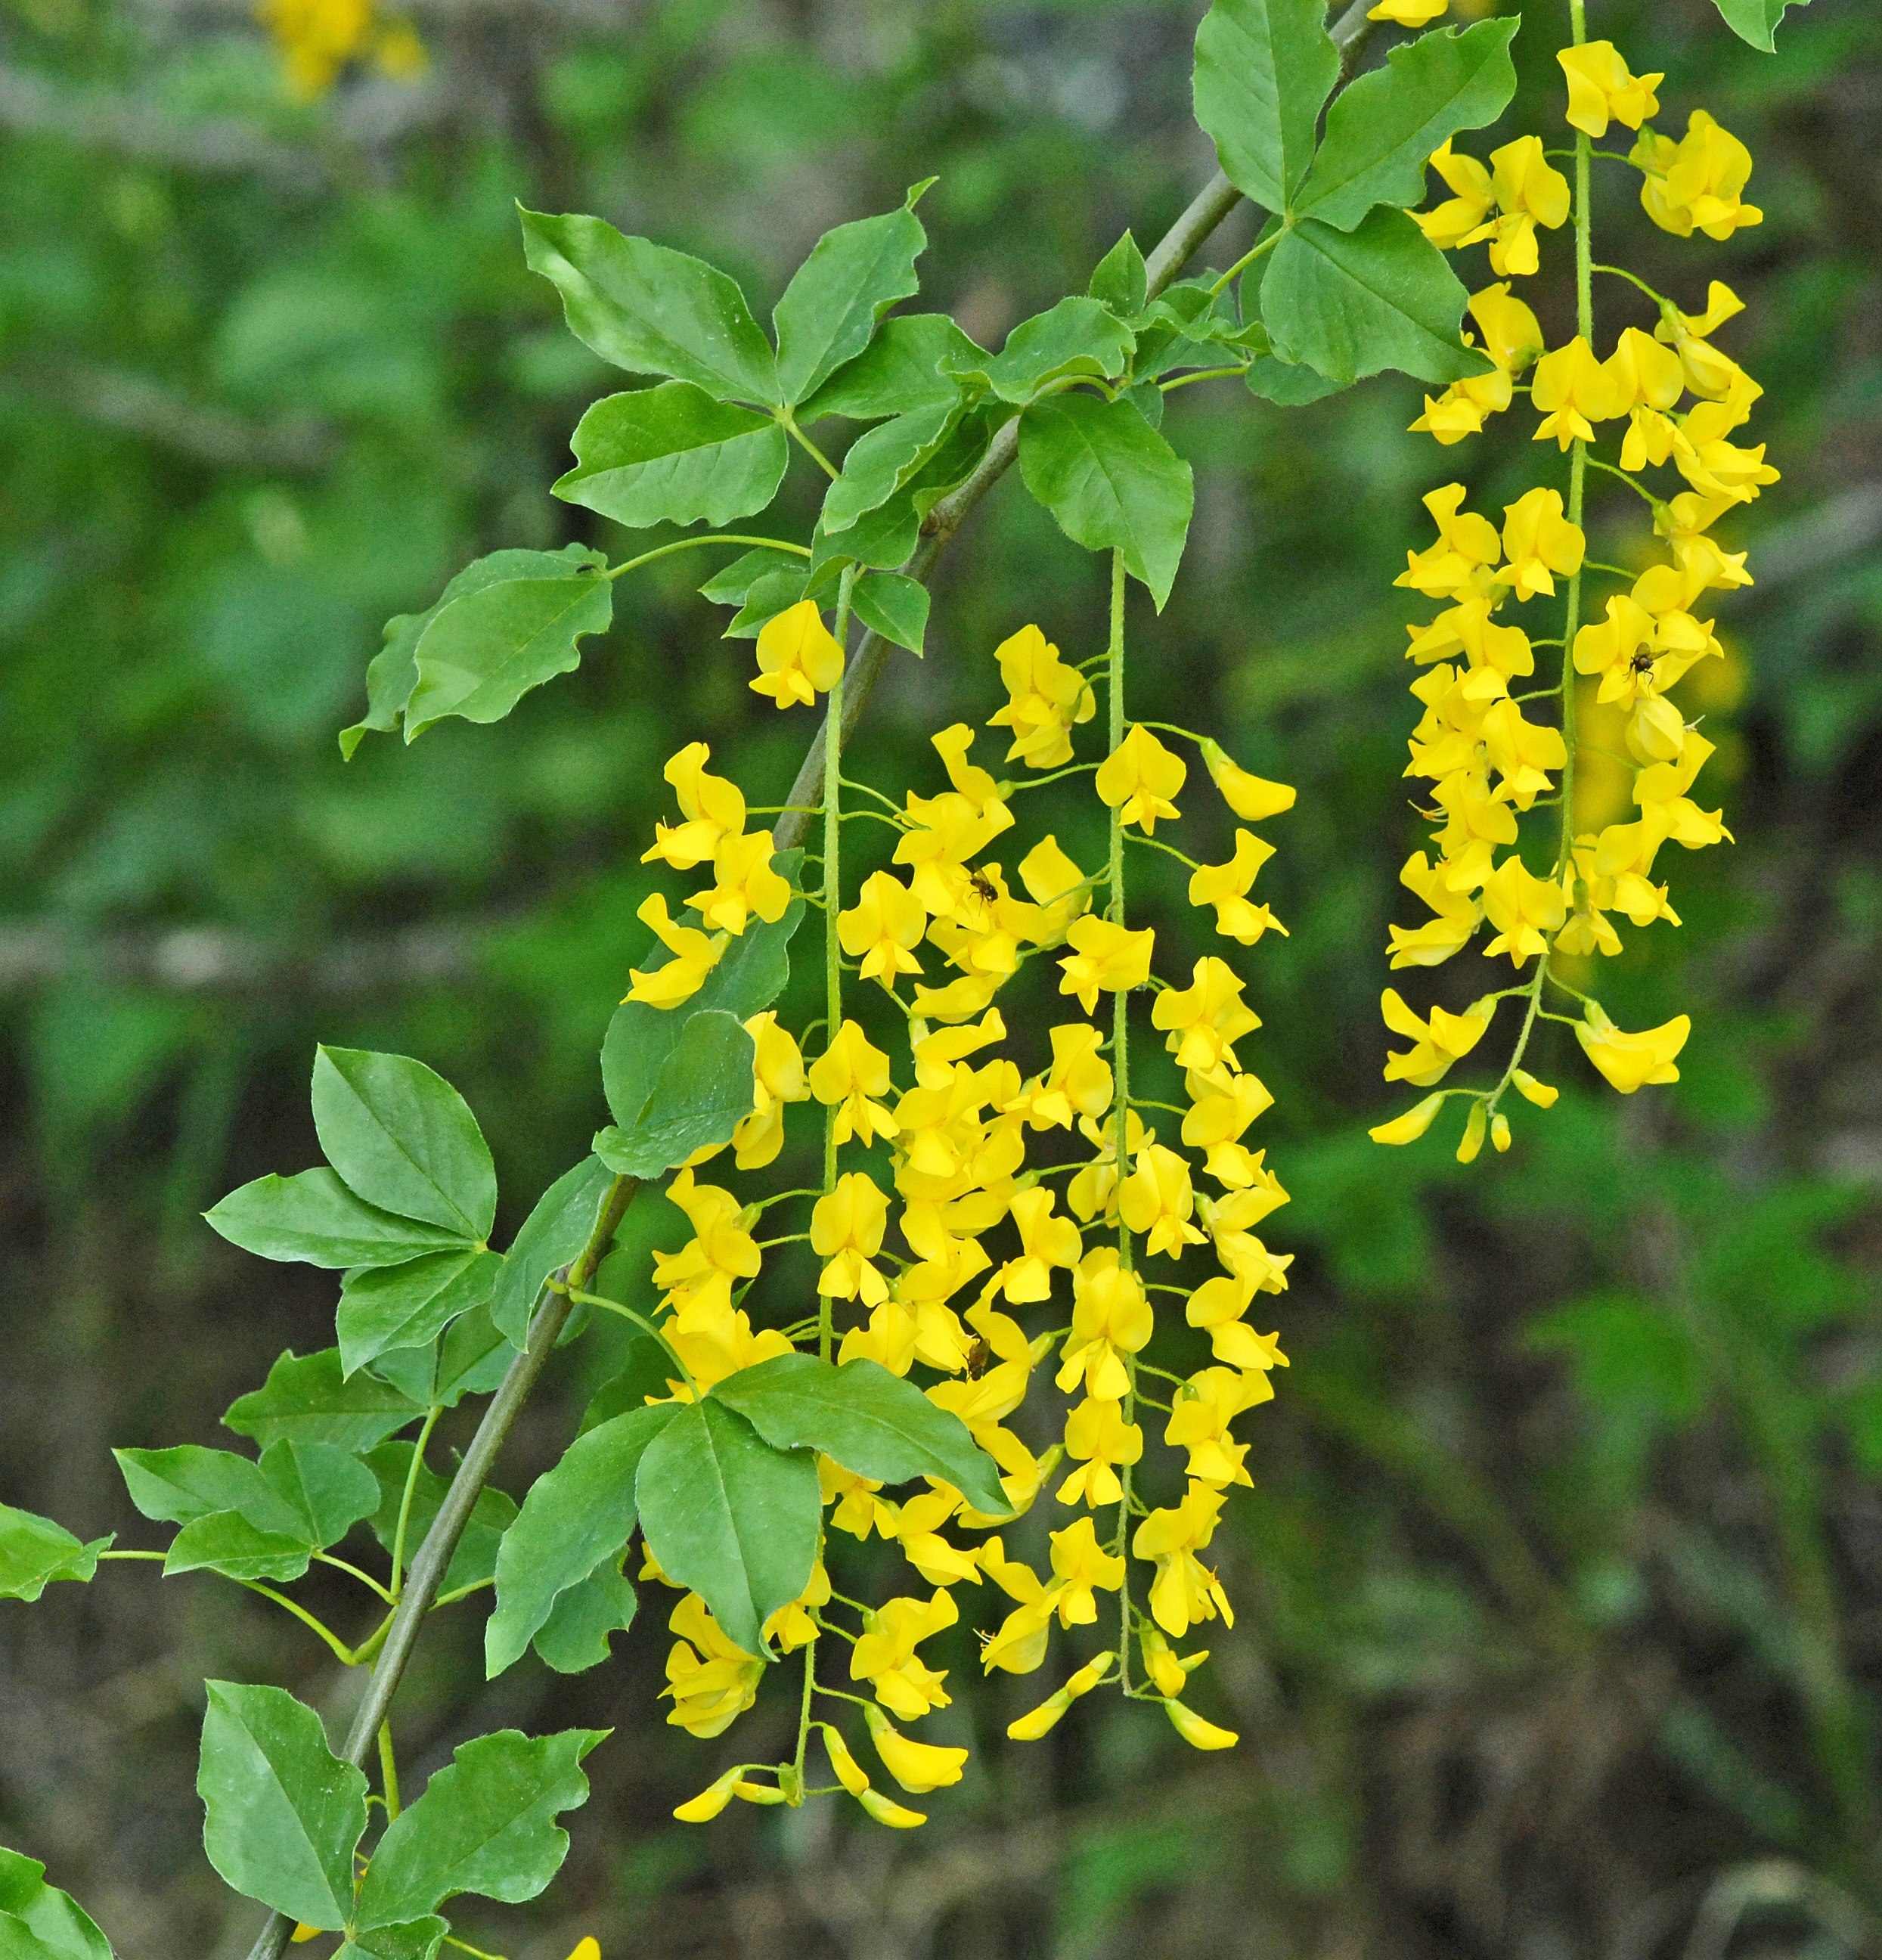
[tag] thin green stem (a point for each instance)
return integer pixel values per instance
(718, 537)
(1632, 482)
(843, 782)
(809, 448)
(1248, 258)
(1057, 775)
(348, 1656)
(1204, 374)
(1132, 837)
(388, 1772)
(365, 1579)
(832, 905)
(405, 1502)
(159, 1556)
(1621, 272)
(582, 1298)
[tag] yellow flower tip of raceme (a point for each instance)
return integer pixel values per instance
(1197, 1732)
(886, 1810)
(1409, 1128)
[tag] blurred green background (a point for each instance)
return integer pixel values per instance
(1562, 1582)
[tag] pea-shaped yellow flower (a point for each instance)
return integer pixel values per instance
(1252, 797)
(1204, 1020)
(881, 928)
(1696, 184)
(1628, 1061)
(798, 659)
(1184, 1590)
(1082, 1569)
(713, 807)
(694, 955)
(847, 1077)
(1046, 700)
(711, 1681)
(1445, 1038)
(1158, 1200)
(1098, 1438)
(744, 883)
(918, 1767)
(1225, 887)
(1524, 909)
(846, 1232)
(1601, 89)
(1105, 956)
(886, 1656)
(778, 1077)
(1112, 1319)
(1537, 540)
(1409, 1128)
(1472, 197)
(1574, 392)
(1138, 778)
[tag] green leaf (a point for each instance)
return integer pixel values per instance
(576, 1518)
(749, 976)
(486, 1824)
(881, 539)
(483, 653)
(284, 1812)
(250, 1520)
(1119, 280)
(471, 1359)
(492, 1515)
(313, 1217)
(327, 1490)
(1080, 336)
(34, 1551)
(729, 1516)
(403, 1139)
(882, 459)
(902, 369)
(1756, 20)
(650, 310)
(703, 1091)
(226, 1542)
(769, 596)
(673, 455)
(1351, 303)
(1289, 384)
(552, 1235)
(39, 1922)
(893, 607)
(394, 671)
(1110, 481)
(867, 1419)
(853, 275)
(1263, 69)
(174, 1486)
(584, 1620)
(308, 1399)
(1381, 128)
(390, 1307)
(729, 585)
(412, 1940)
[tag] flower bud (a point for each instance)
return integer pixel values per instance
(702, 1809)
(886, 1810)
(1499, 1131)
(1409, 1128)
(849, 1774)
(1474, 1125)
(1250, 797)
(1540, 1094)
(1199, 1734)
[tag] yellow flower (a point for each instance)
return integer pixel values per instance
(1530, 191)
(999, 1390)
(1045, 1243)
(1218, 1305)
(917, 1767)
(1040, 1721)
(1199, 1416)
(1141, 776)
(1409, 1128)
(700, 1809)
(1708, 373)
(1601, 87)
(1695, 185)
(1453, 221)
(1407, 13)
(793, 1626)
(886, 1810)
(1458, 914)
(1199, 1734)
(846, 1232)
(1184, 1590)
(1226, 886)
(746, 883)
(1204, 1020)
(1057, 886)
(1157, 1199)
(886, 921)
(1104, 956)
(1540, 1094)
(849, 1772)
(1629, 1061)
(916, 1526)
(969, 780)
(317, 38)
(1250, 797)
(1523, 907)
(1468, 545)
(1111, 1318)
(1046, 699)
(1537, 540)
(1083, 1568)
(1222, 1107)
(1078, 1082)
(846, 1076)
(1575, 392)
(885, 1656)
(778, 1077)
(1446, 1037)
(694, 955)
(696, 1280)
(1097, 1438)
(1228, 1221)
(713, 807)
(708, 1694)
(797, 658)
(1019, 1645)
(1512, 337)
(1461, 409)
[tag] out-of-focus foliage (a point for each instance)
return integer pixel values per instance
(1566, 1535)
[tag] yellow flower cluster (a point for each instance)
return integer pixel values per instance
(1488, 762)
(945, 1258)
(319, 39)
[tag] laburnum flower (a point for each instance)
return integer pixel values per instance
(1252, 797)
(1199, 1415)
(1079, 1082)
(1407, 13)
(1524, 909)
(918, 1767)
(1020, 1644)
(1530, 191)
(1472, 196)
(916, 1525)
(847, 1077)
(1467, 628)
(1040, 1721)
(1098, 1438)
(694, 955)
(1023, 1475)
(935, 1054)
(1046, 1243)
(859, 1510)
(982, 1400)
(1222, 1107)
(968, 778)
(1217, 1306)
(793, 1627)
(885, 1656)
(1522, 753)
(1709, 373)
(1696, 183)
(1538, 540)
(1409, 1128)
(1601, 89)
(712, 1353)
(712, 807)
(846, 1232)
(1647, 380)
(1138, 778)
(1082, 1569)
(697, 1280)
(1512, 339)
(1226, 886)
(1158, 1200)
(1628, 1061)
(1204, 1020)
(1197, 1732)
(1512, 335)
(1184, 1590)
(945, 832)
(1574, 392)
(1712, 466)
(1467, 545)
(1094, 1190)
(1105, 957)
(778, 1077)
(883, 927)
(711, 1681)
(1441, 1041)
(1057, 886)
(1229, 1222)
(1046, 700)
(1111, 1320)
(744, 883)
(1458, 915)
(699, 1809)
(797, 657)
